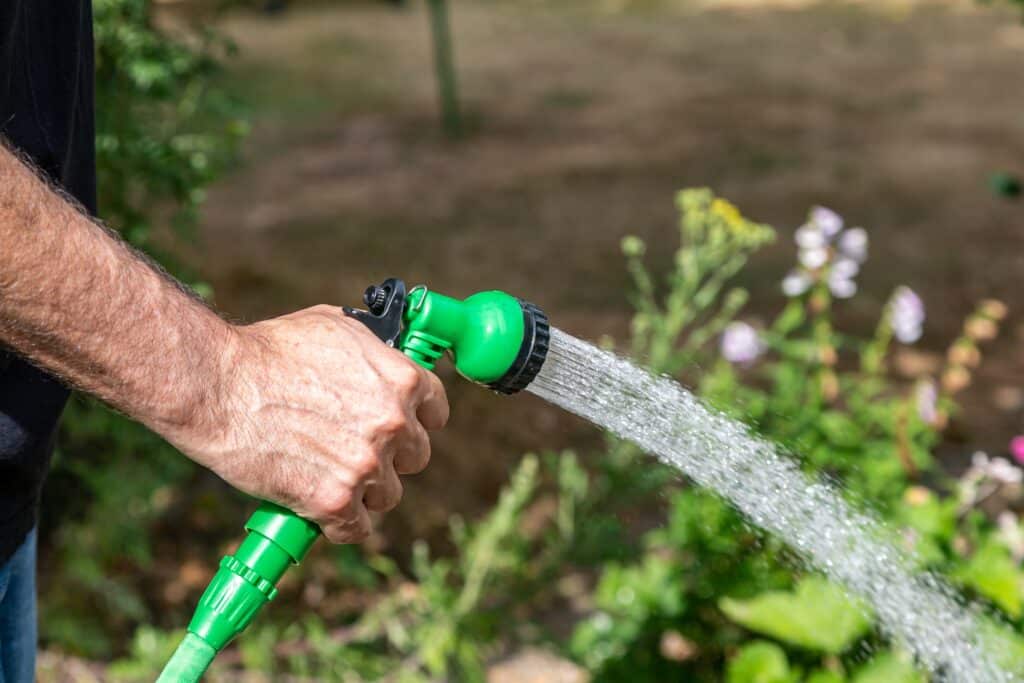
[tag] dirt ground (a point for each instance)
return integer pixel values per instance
(584, 119)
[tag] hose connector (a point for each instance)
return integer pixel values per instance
(247, 580)
(494, 338)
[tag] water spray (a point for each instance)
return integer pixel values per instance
(494, 339)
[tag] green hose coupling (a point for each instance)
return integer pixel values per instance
(248, 579)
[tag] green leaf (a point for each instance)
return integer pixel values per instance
(888, 667)
(760, 662)
(792, 316)
(818, 615)
(933, 519)
(930, 516)
(840, 429)
(993, 573)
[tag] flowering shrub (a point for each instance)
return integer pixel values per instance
(735, 597)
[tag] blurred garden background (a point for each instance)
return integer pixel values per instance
(282, 154)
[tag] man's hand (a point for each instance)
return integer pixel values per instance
(318, 415)
(309, 410)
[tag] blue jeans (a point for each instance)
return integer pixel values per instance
(18, 614)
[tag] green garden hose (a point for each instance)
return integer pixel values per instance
(494, 339)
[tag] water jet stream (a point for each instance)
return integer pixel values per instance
(853, 548)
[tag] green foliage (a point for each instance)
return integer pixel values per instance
(766, 662)
(760, 662)
(995, 575)
(670, 330)
(163, 133)
(451, 621)
(816, 614)
(888, 667)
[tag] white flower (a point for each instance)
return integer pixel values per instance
(979, 460)
(985, 477)
(812, 259)
(1011, 534)
(845, 268)
(840, 286)
(907, 315)
(1003, 471)
(828, 253)
(796, 283)
(810, 236)
(828, 220)
(741, 343)
(853, 244)
(996, 469)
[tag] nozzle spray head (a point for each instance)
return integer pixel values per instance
(494, 338)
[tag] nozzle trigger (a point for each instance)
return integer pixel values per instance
(386, 304)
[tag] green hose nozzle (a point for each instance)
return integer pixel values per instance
(494, 339)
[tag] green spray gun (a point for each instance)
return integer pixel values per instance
(494, 339)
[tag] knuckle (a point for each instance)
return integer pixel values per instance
(406, 378)
(391, 422)
(331, 502)
(366, 465)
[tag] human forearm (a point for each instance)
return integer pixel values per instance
(82, 304)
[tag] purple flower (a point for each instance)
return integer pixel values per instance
(741, 343)
(841, 284)
(827, 220)
(853, 244)
(927, 395)
(828, 253)
(907, 311)
(845, 268)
